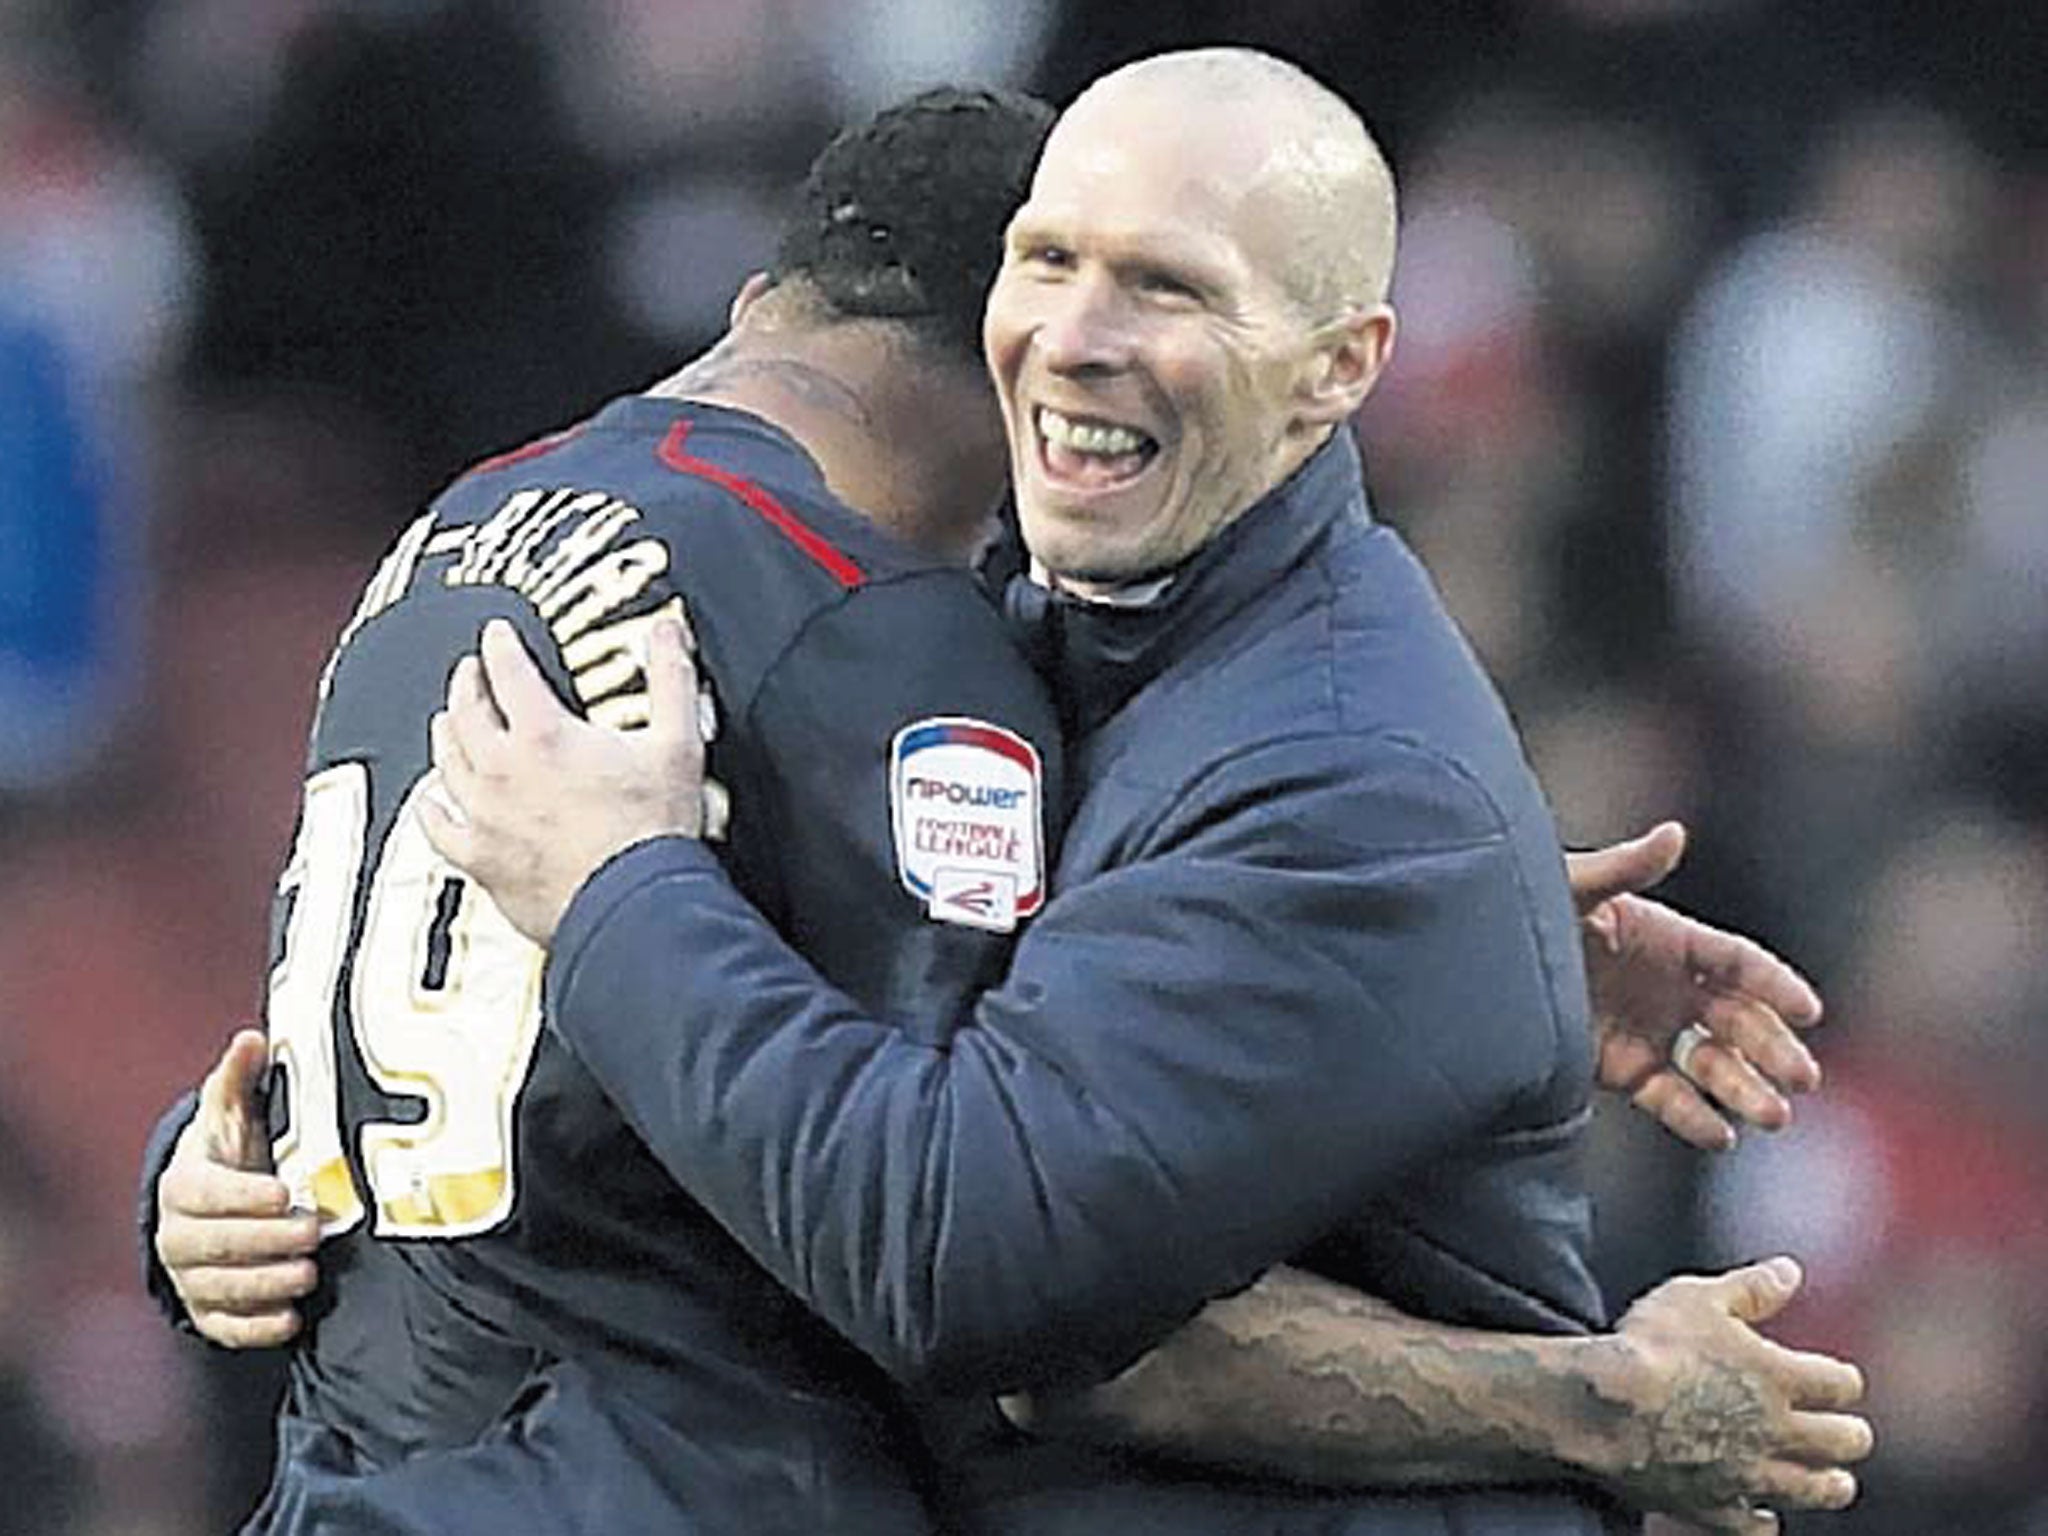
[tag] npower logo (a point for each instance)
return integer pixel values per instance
(965, 800)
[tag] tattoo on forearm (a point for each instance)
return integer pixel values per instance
(1299, 1380)
(1268, 1385)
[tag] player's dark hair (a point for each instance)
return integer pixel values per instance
(902, 218)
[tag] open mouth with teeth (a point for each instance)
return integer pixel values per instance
(1090, 452)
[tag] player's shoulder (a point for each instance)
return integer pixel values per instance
(725, 487)
(656, 499)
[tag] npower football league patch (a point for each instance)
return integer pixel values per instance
(966, 801)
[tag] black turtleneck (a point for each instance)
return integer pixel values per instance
(1096, 655)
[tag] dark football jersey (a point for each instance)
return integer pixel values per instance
(890, 761)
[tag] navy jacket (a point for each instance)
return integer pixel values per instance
(1337, 709)
(1308, 985)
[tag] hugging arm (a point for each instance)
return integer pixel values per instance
(1684, 1408)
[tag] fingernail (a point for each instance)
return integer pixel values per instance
(1784, 1270)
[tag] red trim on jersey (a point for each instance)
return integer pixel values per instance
(532, 450)
(793, 528)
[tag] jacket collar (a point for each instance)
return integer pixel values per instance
(1097, 655)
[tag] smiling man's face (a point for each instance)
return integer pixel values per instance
(1150, 360)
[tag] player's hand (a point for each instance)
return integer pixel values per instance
(1725, 1426)
(538, 799)
(237, 1254)
(1654, 971)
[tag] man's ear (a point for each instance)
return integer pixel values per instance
(750, 292)
(1352, 355)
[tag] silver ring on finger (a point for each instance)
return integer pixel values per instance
(1685, 1044)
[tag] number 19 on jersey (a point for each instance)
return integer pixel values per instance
(439, 999)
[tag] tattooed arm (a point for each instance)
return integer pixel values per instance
(1684, 1408)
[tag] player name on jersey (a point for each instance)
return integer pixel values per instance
(566, 551)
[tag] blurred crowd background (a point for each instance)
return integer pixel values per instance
(1720, 412)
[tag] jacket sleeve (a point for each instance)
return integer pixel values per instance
(156, 1157)
(1317, 971)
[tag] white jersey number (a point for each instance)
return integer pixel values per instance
(444, 1005)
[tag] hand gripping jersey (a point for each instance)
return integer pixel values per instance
(490, 1221)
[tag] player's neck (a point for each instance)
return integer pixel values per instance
(856, 428)
(796, 394)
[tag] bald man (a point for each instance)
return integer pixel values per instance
(1308, 985)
